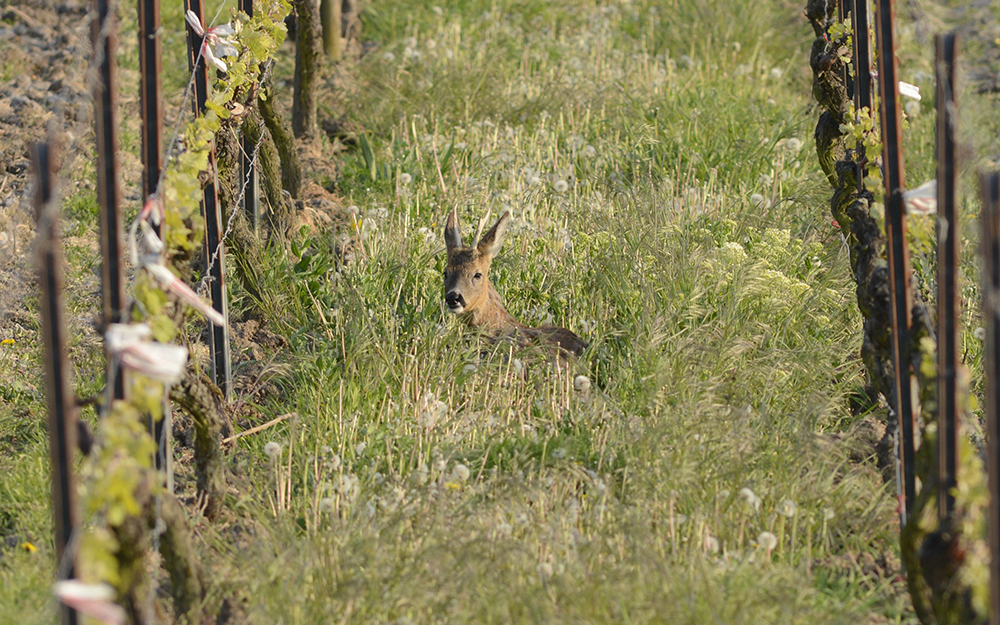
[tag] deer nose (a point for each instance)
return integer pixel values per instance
(454, 299)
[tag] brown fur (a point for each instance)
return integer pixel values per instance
(469, 294)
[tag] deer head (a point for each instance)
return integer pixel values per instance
(467, 277)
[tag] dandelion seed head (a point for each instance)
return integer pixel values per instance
(559, 453)
(767, 541)
(750, 498)
(980, 333)
(793, 144)
(327, 504)
(788, 508)
(828, 514)
(460, 472)
(581, 384)
(360, 449)
(561, 186)
(272, 449)
(405, 178)
(712, 544)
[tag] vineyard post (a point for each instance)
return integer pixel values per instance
(150, 96)
(846, 11)
(104, 42)
(219, 343)
(251, 196)
(948, 305)
(989, 186)
(899, 256)
(62, 414)
(862, 75)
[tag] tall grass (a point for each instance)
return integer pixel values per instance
(698, 464)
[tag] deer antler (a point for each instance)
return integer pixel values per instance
(479, 229)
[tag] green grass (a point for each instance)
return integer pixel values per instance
(658, 162)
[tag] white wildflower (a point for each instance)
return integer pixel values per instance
(767, 541)
(787, 508)
(712, 544)
(460, 473)
(750, 498)
(272, 449)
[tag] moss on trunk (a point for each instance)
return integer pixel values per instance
(308, 59)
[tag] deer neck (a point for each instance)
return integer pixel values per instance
(492, 316)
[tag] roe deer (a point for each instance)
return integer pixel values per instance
(468, 291)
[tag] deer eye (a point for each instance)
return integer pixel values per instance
(478, 275)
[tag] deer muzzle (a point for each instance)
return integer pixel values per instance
(455, 301)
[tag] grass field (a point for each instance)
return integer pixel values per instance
(658, 161)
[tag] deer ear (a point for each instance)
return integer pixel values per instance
(490, 244)
(452, 232)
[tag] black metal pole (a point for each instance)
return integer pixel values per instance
(251, 197)
(989, 187)
(151, 94)
(219, 343)
(862, 75)
(899, 255)
(104, 43)
(62, 413)
(948, 303)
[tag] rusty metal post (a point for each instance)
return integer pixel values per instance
(948, 304)
(219, 342)
(899, 254)
(61, 406)
(251, 196)
(989, 186)
(151, 94)
(103, 39)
